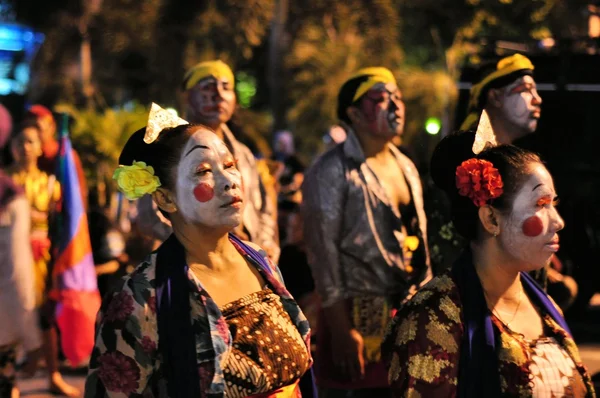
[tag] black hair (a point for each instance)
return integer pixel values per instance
(28, 124)
(163, 154)
(346, 97)
(512, 163)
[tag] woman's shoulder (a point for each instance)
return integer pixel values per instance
(432, 318)
(440, 291)
(436, 304)
(133, 298)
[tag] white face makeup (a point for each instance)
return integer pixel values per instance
(529, 233)
(383, 109)
(209, 185)
(211, 101)
(521, 104)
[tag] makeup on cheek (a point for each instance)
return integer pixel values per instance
(533, 226)
(203, 192)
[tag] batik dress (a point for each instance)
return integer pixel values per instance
(127, 362)
(423, 347)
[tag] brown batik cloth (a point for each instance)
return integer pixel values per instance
(268, 351)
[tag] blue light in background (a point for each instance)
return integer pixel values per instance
(18, 45)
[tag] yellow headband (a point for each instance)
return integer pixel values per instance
(376, 75)
(217, 69)
(505, 67)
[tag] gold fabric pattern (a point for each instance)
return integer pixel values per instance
(407, 330)
(438, 334)
(423, 349)
(450, 309)
(425, 367)
(394, 368)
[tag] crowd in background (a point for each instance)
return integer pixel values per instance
(121, 236)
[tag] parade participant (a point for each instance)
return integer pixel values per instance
(17, 298)
(207, 314)
(504, 105)
(47, 162)
(508, 94)
(365, 232)
(43, 192)
(211, 100)
(485, 328)
(507, 98)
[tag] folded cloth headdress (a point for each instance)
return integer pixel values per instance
(507, 70)
(217, 69)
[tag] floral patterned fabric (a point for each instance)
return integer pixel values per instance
(424, 341)
(126, 361)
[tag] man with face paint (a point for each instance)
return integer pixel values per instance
(210, 100)
(365, 232)
(509, 96)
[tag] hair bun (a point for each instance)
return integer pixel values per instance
(135, 149)
(447, 156)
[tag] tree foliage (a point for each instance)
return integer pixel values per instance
(141, 49)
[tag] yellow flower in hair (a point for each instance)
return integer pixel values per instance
(136, 180)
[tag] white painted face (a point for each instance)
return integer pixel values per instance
(521, 104)
(529, 233)
(211, 101)
(209, 185)
(383, 110)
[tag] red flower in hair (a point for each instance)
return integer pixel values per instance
(478, 180)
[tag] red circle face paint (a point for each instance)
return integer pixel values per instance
(203, 192)
(533, 226)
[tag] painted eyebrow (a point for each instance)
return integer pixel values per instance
(196, 147)
(536, 187)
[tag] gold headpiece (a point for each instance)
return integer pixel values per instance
(160, 119)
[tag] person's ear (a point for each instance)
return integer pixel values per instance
(489, 218)
(164, 200)
(494, 98)
(354, 115)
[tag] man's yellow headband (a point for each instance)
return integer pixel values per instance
(217, 69)
(504, 67)
(375, 75)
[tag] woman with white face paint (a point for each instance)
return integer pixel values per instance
(206, 314)
(485, 328)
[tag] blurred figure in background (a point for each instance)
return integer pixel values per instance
(365, 231)
(108, 245)
(210, 100)
(17, 291)
(43, 192)
(48, 161)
